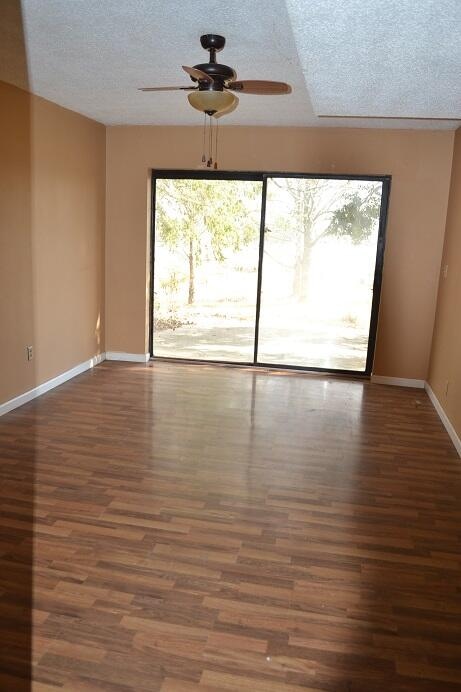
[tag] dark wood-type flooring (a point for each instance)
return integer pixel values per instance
(201, 528)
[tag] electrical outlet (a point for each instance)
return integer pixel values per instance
(30, 352)
(445, 271)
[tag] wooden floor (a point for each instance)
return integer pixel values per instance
(200, 528)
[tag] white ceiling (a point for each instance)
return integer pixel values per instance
(355, 57)
(381, 57)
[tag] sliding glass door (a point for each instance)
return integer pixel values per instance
(280, 270)
(319, 260)
(206, 268)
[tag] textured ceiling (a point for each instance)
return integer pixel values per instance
(380, 57)
(91, 56)
(360, 57)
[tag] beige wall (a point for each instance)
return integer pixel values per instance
(445, 366)
(52, 199)
(419, 162)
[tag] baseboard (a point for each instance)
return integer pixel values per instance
(444, 418)
(421, 384)
(144, 357)
(397, 381)
(50, 384)
(130, 357)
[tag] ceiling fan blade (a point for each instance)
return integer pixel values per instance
(167, 88)
(231, 108)
(260, 86)
(386, 117)
(199, 75)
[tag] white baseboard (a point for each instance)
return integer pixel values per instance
(50, 384)
(444, 418)
(144, 358)
(130, 357)
(397, 381)
(421, 384)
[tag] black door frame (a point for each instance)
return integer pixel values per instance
(263, 178)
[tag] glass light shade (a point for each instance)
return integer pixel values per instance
(209, 101)
(231, 109)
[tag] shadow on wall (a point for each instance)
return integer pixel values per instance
(17, 450)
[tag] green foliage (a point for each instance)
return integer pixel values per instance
(191, 212)
(357, 217)
(318, 208)
(322, 209)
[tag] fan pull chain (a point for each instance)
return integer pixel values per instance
(216, 145)
(204, 134)
(210, 143)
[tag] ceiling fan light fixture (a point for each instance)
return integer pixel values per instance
(210, 101)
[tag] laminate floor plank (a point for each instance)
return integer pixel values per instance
(171, 528)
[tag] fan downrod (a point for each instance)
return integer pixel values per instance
(213, 43)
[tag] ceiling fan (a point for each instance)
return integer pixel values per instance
(215, 84)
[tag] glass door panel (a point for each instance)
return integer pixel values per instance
(206, 254)
(320, 246)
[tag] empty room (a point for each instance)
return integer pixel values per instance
(230, 346)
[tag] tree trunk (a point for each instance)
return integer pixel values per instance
(301, 276)
(302, 271)
(191, 297)
(305, 266)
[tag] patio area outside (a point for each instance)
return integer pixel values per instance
(320, 320)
